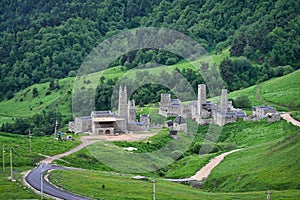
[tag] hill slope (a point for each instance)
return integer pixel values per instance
(282, 93)
(44, 39)
(273, 165)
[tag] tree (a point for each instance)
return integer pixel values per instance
(35, 92)
(242, 102)
(9, 95)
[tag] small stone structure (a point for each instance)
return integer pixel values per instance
(261, 112)
(201, 110)
(179, 124)
(109, 123)
(273, 117)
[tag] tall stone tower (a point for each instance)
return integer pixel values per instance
(123, 108)
(131, 112)
(165, 100)
(201, 98)
(224, 102)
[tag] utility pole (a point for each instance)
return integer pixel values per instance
(268, 195)
(30, 143)
(154, 189)
(11, 171)
(3, 158)
(55, 129)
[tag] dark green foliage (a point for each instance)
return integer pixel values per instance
(242, 102)
(9, 95)
(238, 74)
(42, 40)
(39, 124)
(35, 92)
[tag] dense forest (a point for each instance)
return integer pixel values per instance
(45, 40)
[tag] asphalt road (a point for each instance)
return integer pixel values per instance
(34, 179)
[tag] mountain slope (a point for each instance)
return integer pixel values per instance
(273, 165)
(42, 40)
(282, 93)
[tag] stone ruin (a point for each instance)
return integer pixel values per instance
(201, 110)
(110, 123)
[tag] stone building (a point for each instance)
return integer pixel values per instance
(168, 106)
(201, 110)
(110, 123)
(273, 117)
(179, 124)
(261, 112)
(81, 124)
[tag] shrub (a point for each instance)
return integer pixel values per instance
(9, 95)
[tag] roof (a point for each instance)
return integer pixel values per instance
(175, 100)
(104, 119)
(179, 120)
(264, 107)
(84, 118)
(175, 105)
(102, 113)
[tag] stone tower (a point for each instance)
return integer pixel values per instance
(224, 103)
(123, 108)
(201, 98)
(165, 100)
(131, 112)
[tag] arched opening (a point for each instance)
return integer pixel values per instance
(100, 132)
(107, 132)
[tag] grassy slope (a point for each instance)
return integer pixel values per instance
(283, 90)
(24, 105)
(274, 165)
(124, 187)
(22, 160)
(282, 93)
(15, 190)
(296, 115)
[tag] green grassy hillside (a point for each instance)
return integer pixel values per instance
(117, 186)
(282, 93)
(274, 165)
(24, 104)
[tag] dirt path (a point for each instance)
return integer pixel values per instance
(289, 118)
(88, 140)
(259, 97)
(206, 170)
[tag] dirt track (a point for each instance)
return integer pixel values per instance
(206, 170)
(288, 117)
(87, 140)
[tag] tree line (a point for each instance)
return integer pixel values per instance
(44, 40)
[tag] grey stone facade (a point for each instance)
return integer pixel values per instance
(201, 110)
(261, 112)
(109, 123)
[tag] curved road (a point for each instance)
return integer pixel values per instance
(34, 179)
